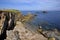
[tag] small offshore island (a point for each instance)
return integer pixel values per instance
(14, 26)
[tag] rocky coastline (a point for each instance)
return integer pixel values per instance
(12, 27)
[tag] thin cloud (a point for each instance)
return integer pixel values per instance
(31, 4)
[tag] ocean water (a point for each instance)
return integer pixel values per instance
(51, 19)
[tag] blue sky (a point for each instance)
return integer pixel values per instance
(30, 4)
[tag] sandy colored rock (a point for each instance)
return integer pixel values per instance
(24, 34)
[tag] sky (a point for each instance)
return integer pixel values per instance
(30, 4)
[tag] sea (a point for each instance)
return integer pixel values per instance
(50, 19)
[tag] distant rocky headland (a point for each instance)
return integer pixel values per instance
(13, 27)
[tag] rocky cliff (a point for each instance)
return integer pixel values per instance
(12, 26)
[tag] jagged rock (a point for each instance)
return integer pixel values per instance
(52, 35)
(23, 33)
(7, 22)
(13, 35)
(2, 18)
(10, 31)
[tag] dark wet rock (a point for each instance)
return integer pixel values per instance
(44, 11)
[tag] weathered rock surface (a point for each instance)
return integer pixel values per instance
(23, 34)
(7, 22)
(12, 27)
(19, 32)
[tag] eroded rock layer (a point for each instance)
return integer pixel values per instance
(12, 28)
